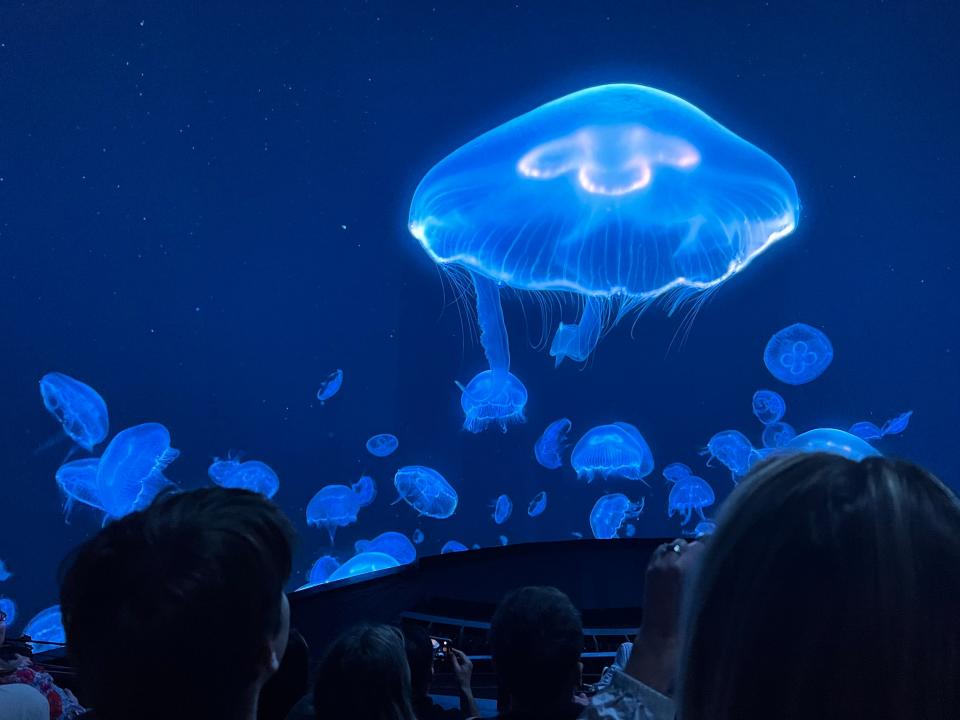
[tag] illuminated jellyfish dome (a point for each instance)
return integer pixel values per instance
(617, 195)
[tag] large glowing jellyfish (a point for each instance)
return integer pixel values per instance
(618, 194)
(79, 408)
(130, 471)
(46, 627)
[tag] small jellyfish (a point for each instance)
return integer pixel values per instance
(538, 504)
(334, 506)
(130, 473)
(46, 627)
(418, 536)
(867, 430)
(837, 442)
(768, 406)
(896, 425)
(9, 608)
(77, 480)
(549, 447)
(251, 475)
(396, 545)
(426, 491)
(504, 540)
(322, 569)
(616, 450)
(778, 434)
(382, 445)
(79, 408)
(452, 546)
(577, 535)
(676, 471)
(630, 530)
(4, 573)
(704, 527)
(502, 509)
(732, 449)
(609, 513)
(366, 490)
(329, 386)
(688, 495)
(362, 564)
(798, 354)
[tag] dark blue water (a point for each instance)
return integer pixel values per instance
(203, 212)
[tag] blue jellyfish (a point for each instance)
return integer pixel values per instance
(732, 449)
(322, 569)
(4, 573)
(502, 509)
(250, 475)
(704, 527)
(675, 472)
(551, 444)
(426, 491)
(130, 473)
(504, 540)
(615, 195)
(418, 536)
(609, 513)
(79, 408)
(616, 450)
(329, 386)
(688, 495)
(896, 425)
(837, 442)
(382, 445)
(768, 406)
(777, 434)
(362, 564)
(630, 530)
(334, 506)
(538, 504)
(867, 430)
(396, 545)
(366, 489)
(452, 546)
(46, 627)
(77, 480)
(9, 608)
(798, 354)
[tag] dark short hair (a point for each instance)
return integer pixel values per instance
(829, 590)
(536, 638)
(419, 650)
(167, 610)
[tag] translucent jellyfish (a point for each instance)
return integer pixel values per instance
(452, 546)
(426, 491)
(396, 545)
(867, 430)
(362, 564)
(502, 509)
(9, 608)
(704, 527)
(504, 540)
(538, 504)
(130, 473)
(322, 569)
(79, 408)
(616, 450)
(77, 481)
(4, 573)
(418, 536)
(768, 406)
(676, 471)
(366, 489)
(250, 475)
(549, 447)
(688, 495)
(382, 445)
(837, 442)
(334, 506)
(777, 434)
(798, 354)
(732, 449)
(609, 513)
(614, 196)
(630, 530)
(46, 627)
(329, 386)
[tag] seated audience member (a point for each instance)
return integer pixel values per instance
(289, 684)
(177, 611)
(22, 702)
(828, 591)
(536, 638)
(420, 658)
(364, 676)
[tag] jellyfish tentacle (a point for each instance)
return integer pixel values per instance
(493, 329)
(577, 341)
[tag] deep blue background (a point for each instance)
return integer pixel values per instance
(203, 205)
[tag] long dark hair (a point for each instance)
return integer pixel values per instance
(830, 590)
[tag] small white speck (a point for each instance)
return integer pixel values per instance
(141, 23)
(343, 227)
(197, 309)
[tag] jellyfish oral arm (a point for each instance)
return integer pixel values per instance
(578, 341)
(493, 329)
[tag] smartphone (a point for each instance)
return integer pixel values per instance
(441, 647)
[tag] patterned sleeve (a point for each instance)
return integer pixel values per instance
(629, 699)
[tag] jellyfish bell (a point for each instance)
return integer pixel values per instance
(617, 195)
(835, 442)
